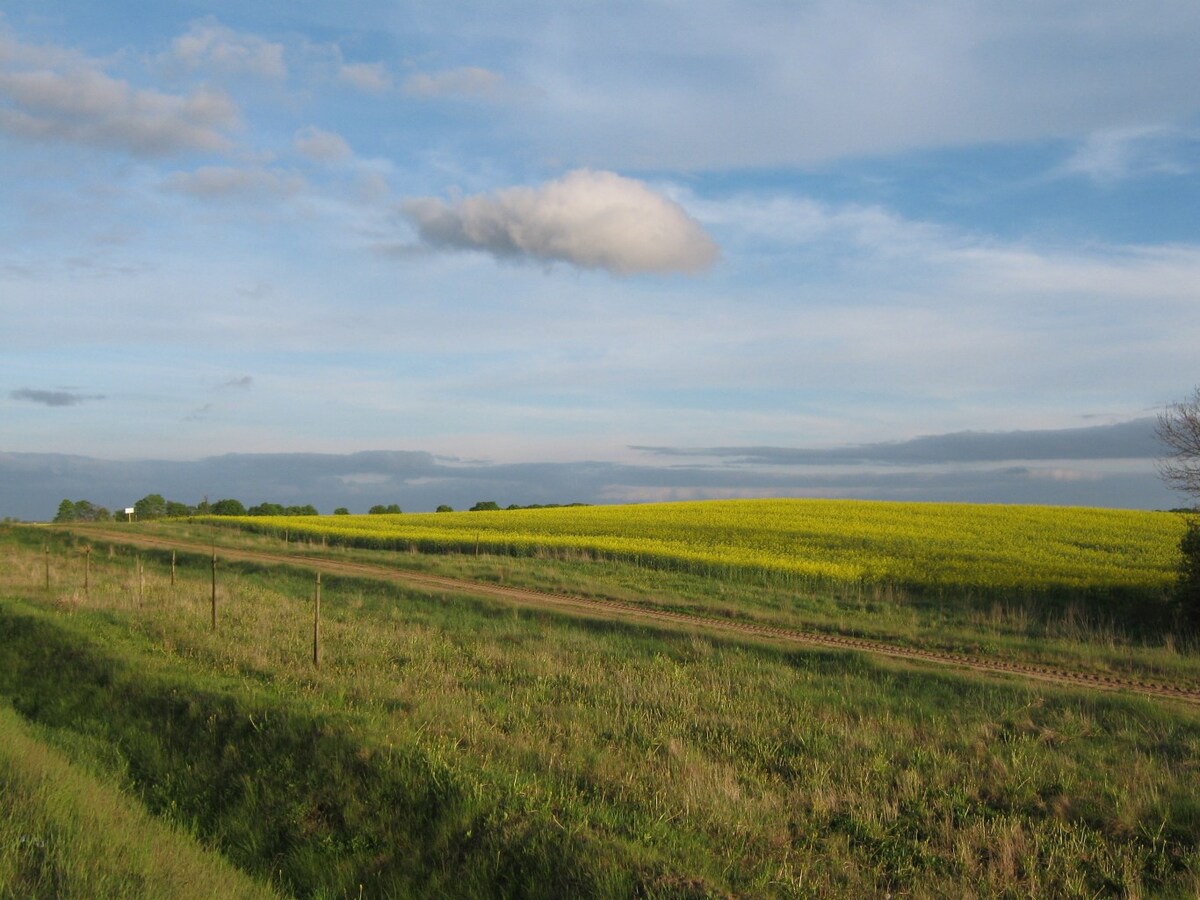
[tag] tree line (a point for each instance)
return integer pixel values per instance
(155, 506)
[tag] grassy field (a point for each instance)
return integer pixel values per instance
(448, 745)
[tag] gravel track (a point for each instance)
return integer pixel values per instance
(616, 609)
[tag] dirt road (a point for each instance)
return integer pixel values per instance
(631, 612)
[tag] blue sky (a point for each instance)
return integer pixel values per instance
(555, 234)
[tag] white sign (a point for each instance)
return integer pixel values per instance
(129, 510)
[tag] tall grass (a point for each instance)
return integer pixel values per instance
(469, 748)
(1106, 631)
(67, 833)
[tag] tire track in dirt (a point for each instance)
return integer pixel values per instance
(632, 612)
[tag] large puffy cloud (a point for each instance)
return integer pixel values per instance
(50, 94)
(595, 220)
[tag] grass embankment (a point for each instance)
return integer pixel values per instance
(69, 833)
(473, 749)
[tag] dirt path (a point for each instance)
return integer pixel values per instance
(632, 612)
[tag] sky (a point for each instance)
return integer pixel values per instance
(409, 252)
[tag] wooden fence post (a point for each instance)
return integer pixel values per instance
(317, 625)
(172, 568)
(87, 571)
(214, 588)
(141, 573)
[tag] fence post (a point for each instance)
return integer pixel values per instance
(172, 568)
(87, 571)
(141, 573)
(47, 567)
(317, 625)
(214, 587)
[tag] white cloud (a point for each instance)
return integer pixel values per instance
(322, 146)
(705, 86)
(1115, 154)
(370, 77)
(588, 219)
(54, 95)
(229, 182)
(211, 46)
(1121, 275)
(469, 81)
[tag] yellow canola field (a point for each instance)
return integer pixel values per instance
(913, 544)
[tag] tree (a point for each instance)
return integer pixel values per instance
(87, 511)
(228, 508)
(1179, 429)
(380, 510)
(152, 506)
(1187, 588)
(445, 508)
(177, 510)
(341, 511)
(484, 506)
(66, 512)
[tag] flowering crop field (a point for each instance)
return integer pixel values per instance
(916, 545)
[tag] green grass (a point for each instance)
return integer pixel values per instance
(1112, 632)
(69, 833)
(458, 746)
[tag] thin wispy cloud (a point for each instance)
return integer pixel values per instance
(467, 82)
(53, 397)
(1113, 155)
(322, 146)
(373, 78)
(212, 47)
(234, 183)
